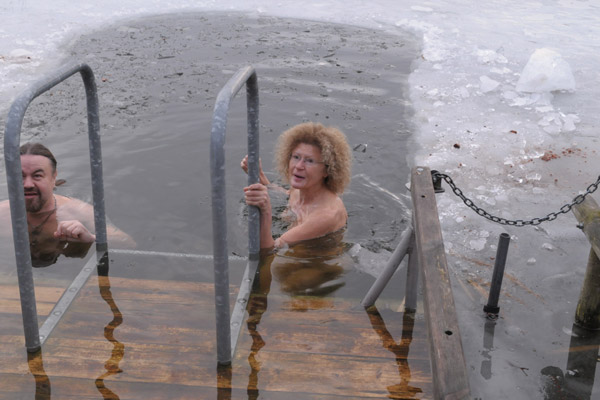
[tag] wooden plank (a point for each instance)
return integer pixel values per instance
(588, 306)
(588, 214)
(45, 296)
(24, 387)
(161, 339)
(355, 356)
(447, 359)
(296, 373)
(348, 376)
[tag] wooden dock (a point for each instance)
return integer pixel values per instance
(141, 335)
(138, 338)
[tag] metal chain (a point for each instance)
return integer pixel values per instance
(436, 176)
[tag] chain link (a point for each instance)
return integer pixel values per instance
(518, 222)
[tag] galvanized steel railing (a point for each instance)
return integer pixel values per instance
(225, 340)
(14, 179)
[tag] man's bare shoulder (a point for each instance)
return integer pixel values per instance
(69, 208)
(72, 204)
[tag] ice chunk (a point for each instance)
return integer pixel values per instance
(569, 121)
(461, 92)
(477, 244)
(20, 56)
(551, 123)
(490, 56)
(547, 246)
(487, 84)
(534, 176)
(546, 71)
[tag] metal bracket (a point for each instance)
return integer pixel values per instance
(437, 182)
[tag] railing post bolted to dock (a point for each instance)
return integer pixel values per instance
(244, 77)
(492, 305)
(12, 159)
(588, 308)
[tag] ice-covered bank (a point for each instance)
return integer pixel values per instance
(505, 99)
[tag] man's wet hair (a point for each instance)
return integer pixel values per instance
(38, 149)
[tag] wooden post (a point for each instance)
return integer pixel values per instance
(588, 307)
(448, 366)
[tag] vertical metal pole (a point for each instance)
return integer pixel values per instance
(93, 116)
(253, 165)
(217, 167)
(492, 305)
(14, 179)
(221, 261)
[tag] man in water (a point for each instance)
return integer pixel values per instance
(57, 224)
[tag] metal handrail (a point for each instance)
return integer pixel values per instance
(247, 75)
(14, 179)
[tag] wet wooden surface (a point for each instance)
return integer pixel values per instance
(127, 338)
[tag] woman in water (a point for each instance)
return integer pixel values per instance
(315, 160)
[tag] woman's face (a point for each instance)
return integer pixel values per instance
(306, 168)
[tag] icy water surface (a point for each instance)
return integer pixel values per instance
(157, 81)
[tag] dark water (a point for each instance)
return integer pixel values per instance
(157, 80)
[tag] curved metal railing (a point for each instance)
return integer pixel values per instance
(225, 340)
(12, 159)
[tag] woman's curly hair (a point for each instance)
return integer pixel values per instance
(335, 152)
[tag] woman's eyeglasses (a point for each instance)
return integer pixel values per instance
(309, 162)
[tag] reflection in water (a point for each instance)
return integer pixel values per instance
(257, 305)
(47, 253)
(118, 351)
(578, 380)
(256, 308)
(42, 382)
(488, 345)
(400, 351)
(224, 373)
(310, 269)
(45, 248)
